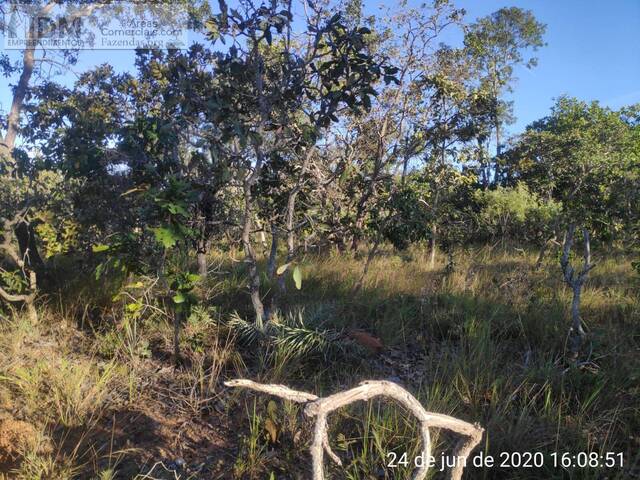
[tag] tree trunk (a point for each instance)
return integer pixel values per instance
(202, 265)
(13, 119)
(272, 267)
(541, 253)
(250, 258)
(432, 246)
(576, 333)
(576, 281)
(249, 181)
(26, 238)
(204, 246)
(498, 173)
(372, 253)
(19, 93)
(451, 262)
(11, 249)
(483, 173)
(273, 254)
(405, 167)
(289, 223)
(433, 240)
(32, 312)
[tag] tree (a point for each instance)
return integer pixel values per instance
(497, 44)
(580, 155)
(388, 137)
(454, 107)
(271, 107)
(16, 165)
(142, 144)
(576, 279)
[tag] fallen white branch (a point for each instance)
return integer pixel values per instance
(321, 407)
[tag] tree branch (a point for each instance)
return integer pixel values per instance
(321, 407)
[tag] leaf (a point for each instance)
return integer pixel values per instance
(177, 209)
(213, 32)
(366, 340)
(133, 190)
(100, 270)
(179, 298)
(282, 268)
(342, 442)
(133, 307)
(272, 409)
(166, 236)
(100, 248)
(297, 277)
(366, 102)
(272, 430)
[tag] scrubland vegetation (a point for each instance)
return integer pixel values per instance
(313, 196)
(89, 391)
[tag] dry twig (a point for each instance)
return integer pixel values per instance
(321, 407)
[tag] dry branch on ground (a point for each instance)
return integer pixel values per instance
(320, 407)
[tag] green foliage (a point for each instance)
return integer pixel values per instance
(296, 335)
(300, 340)
(499, 39)
(407, 217)
(123, 254)
(182, 285)
(157, 181)
(516, 213)
(173, 202)
(125, 342)
(200, 329)
(586, 157)
(636, 265)
(13, 280)
(57, 242)
(167, 236)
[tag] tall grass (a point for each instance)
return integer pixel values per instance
(484, 342)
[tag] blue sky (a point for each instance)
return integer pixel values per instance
(593, 53)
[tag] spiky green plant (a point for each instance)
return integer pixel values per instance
(294, 335)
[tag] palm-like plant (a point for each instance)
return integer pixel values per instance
(297, 334)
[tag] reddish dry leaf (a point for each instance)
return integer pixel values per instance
(366, 340)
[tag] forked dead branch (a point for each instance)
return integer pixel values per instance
(320, 407)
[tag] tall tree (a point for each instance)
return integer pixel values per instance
(497, 44)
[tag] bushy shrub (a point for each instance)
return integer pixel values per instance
(516, 213)
(401, 218)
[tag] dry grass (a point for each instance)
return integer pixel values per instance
(484, 342)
